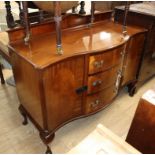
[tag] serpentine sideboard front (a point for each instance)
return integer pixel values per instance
(54, 89)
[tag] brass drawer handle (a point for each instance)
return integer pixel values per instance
(96, 83)
(98, 64)
(95, 104)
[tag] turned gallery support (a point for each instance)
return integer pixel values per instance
(21, 17)
(26, 21)
(58, 19)
(92, 12)
(127, 6)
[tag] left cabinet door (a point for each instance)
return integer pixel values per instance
(61, 80)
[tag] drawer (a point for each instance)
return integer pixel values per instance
(105, 60)
(99, 100)
(102, 80)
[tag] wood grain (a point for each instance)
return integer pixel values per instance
(141, 133)
(60, 84)
(54, 89)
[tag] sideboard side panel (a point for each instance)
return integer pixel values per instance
(141, 19)
(134, 52)
(27, 85)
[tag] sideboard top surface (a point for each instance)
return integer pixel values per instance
(41, 50)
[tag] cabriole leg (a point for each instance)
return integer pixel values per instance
(132, 89)
(25, 122)
(48, 151)
(46, 137)
(1, 75)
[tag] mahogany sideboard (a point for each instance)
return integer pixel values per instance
(55, 89)
(143, 15)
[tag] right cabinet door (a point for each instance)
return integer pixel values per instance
(132, 60)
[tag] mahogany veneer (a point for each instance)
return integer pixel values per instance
(51, 88)
(54, 89)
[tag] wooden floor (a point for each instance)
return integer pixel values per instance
(16, 138)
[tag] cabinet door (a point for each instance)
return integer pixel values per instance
(134, 52)
(61, 81)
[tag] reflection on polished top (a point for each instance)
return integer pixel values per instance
(41, 50)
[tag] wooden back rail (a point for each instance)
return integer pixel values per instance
(40, 16)
(58, 19)
(69, 21)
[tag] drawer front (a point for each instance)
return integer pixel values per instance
(102, 80)
(101, 62)
(100, 100)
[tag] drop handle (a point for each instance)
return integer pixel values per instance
(95, 103)
(98, 64)
(97, 83)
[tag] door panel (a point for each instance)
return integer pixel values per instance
(61, 81)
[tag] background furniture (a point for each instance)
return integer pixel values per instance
(141, 133)
(142, 15)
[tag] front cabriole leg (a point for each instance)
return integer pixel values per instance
(47, 138)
